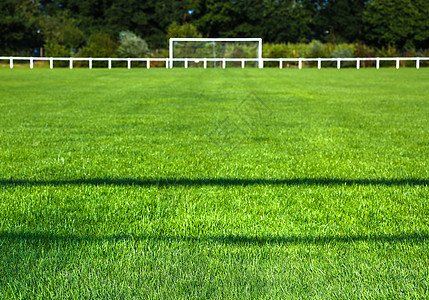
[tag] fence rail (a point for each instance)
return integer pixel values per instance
(169, 63)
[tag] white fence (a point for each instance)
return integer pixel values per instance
(169, 63)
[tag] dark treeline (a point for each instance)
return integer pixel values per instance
(69, 26)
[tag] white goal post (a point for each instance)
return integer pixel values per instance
(172, 58)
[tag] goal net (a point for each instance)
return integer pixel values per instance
(215, 52)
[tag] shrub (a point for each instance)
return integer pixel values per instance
(316, 49)
(362, 50)
(99, 45)
(343, 50)
(132, 45)
(390, 51)
(54, 49)
(423, 53)
(276, 50)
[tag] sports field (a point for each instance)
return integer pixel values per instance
(178, 184)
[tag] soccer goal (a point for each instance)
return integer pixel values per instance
(215, 52)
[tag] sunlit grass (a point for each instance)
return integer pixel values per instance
(214, 183)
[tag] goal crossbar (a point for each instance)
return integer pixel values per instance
(258, 40)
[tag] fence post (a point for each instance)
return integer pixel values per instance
(397, 63)
(205, 63)
(51, 63)
(129, 63)
(300, 63)
(377, 63)
(358, 63)
(109, 63)
(338, 63)
(90, 63)
(417, 63)
(319, 63)
(224, 63)
(242, 63)
(11, 63)
(31, 63)
(186, 63)
(71, 63)
(166, 63)
(147, 63)
(280, 64)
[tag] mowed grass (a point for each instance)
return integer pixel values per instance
(178, 184)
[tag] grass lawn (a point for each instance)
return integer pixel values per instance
(178, 184)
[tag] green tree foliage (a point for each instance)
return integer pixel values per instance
(63, 30)
(19, 25)
(403, 23)
(182, 31)
(339, 20)
(215, 18)
(286, 20)
(25, 25)
(248, 19)
(99, 44)
(132, 45)
(273, 20)
(53, 49)
(148, 19)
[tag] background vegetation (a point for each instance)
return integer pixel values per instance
(92, 28)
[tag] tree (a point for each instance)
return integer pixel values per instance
(248, 18)
(286, 21)
(148, 19)
(182, 31)
(272, 20)
(402, 23)
(215, 18)
(19, 26)
(339, 20)
(63, 30)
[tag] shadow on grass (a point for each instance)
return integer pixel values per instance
(216, 182)
(416, 238)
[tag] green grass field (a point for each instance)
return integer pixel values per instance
(178, 184)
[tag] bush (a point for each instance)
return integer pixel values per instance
(54, 49)
(423, 53)
(132, 45)
(362, 50)
(390, 51)
(276, 50)
(343, 50)
(316, 49)
(99, 45)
